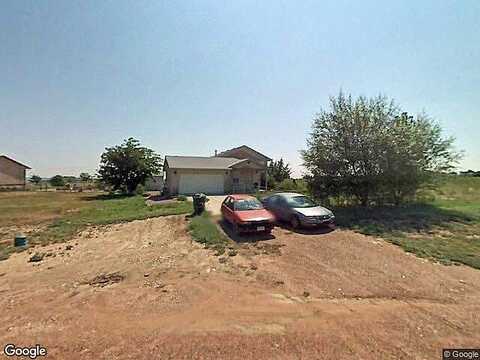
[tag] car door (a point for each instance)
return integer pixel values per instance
(274, 206)
(282, 208)
(268, 202)
(227, 209)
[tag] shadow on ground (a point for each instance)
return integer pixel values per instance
(243, 238)
(320, 230)
(406, 219)
(107, 197)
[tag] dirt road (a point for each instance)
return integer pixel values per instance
(144, 290)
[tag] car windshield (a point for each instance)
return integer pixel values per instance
(248, 204)
(300, 202)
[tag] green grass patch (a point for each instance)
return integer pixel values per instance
(204, 230)
(446, 228)
(101, 210)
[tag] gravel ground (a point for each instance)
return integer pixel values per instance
(214, 204)
(144, 290)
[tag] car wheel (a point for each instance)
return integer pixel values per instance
(295, 222)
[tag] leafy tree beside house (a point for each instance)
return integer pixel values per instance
(371, 151)
(85, 177)
(126, 166)
(278, 171)
(35, 179)
(57, 181)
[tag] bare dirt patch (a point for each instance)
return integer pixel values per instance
(336, 295)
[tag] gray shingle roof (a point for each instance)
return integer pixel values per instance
(228, 152)
(200, 162)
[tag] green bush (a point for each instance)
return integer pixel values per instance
(370, 150)
(181, 198)
(295, 185)
(57, 181)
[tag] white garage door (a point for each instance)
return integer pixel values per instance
(200, 183)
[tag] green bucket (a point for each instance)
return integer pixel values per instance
(20, 240)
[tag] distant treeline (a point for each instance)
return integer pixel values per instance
(467, 173)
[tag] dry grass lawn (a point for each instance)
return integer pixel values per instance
(31, 208)
(57, 217)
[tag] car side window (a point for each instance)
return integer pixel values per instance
(273, 201)
(225, 202)
(280, 202)
(229, 203)
(267, 201)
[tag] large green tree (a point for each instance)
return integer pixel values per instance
(278, 170)
(85, 177)
(368, 149)
(57, 181)
(128, 165)
(35, 179)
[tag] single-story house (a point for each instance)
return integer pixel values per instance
(12, 173)
(238, 170)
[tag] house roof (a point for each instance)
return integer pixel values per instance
(227, 152)
(16, 162)
(201, 162)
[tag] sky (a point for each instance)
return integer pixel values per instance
(189, 77)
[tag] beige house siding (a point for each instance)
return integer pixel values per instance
(173, 178)
(242, 177)
(242, 180)
(11, 173)
(247, 178)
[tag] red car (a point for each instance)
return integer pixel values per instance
(247, 214)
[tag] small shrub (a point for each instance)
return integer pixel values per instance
(57, 181)
(181, 198)
(296, 185)
(205, 231)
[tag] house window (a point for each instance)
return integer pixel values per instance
(236, 180)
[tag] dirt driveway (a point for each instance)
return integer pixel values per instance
(214, 204)
(144, 290)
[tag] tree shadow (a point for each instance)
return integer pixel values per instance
(109, 196)
(159, 197)
(317, 230)
(244, 237)
(388, 219)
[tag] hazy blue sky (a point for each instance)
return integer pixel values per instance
(190, 77)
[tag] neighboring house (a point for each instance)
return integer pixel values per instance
(12, 173)
(239, 170)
